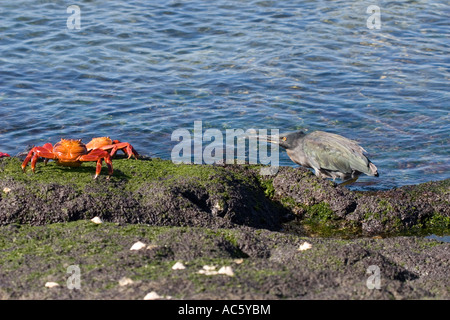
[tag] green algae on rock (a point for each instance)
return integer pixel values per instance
(266, 264)
(147, 191)
(416, 209)
(214, 215)
(159, 192)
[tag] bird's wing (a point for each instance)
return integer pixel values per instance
(335, 153)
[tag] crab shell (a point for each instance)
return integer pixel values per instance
(112, 146)
(68, 151)
(97, 143)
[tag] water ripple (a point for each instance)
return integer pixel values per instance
(138, 71)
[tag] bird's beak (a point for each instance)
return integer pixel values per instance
(280, 140)
(273, 141)
(267, 138)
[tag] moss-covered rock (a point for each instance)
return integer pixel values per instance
(321, 203)
(158, 192)
(215, 215)
(150, 191)
(266, 264)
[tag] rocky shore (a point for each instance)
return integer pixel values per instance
(285, 236)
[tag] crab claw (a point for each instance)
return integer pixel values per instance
(112, 146)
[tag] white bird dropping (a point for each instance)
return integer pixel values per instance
(138, 246)
(305, 246)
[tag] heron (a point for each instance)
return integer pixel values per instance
(329, 155)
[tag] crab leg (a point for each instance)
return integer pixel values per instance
(98, 168)
(129, 150)
(34, 155)
(98, 155)
(124, 146)
(49, 147)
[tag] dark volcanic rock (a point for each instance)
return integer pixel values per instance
(221, 199)
(158, 192)
(304, 188)
(398, 210)
(404, 208)
(217, 216)
(266, 264)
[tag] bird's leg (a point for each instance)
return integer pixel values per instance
(350, 181)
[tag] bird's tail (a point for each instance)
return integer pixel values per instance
(373, 169)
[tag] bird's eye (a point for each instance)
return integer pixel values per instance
(284, 138)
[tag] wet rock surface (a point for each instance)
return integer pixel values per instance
(216, 215)
(220, 202)
(409, 208)
(265, 264)
(220, 197)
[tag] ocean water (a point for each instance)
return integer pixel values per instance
(138, 70)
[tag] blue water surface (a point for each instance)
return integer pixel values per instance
(439, 238)
(138, 70)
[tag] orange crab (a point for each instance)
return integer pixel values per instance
(70, 153)
(105, 143)
(4, 155)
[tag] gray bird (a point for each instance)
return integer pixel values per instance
(330, 155)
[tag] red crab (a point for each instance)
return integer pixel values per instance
(4, 155)
(105, 143)
(70, 153)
